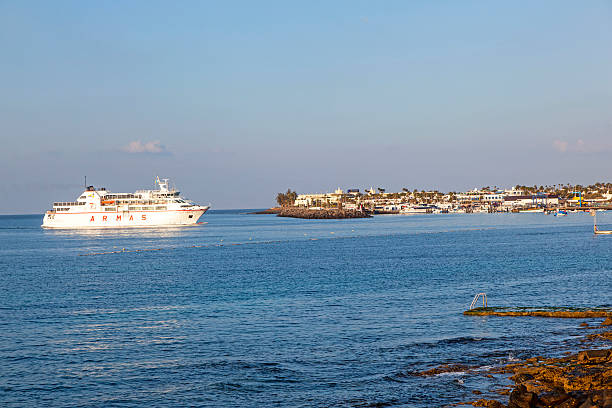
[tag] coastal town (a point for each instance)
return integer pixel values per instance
(557, 199)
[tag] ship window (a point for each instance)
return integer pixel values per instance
(147, 208)
(190, 215)
(161, 207)
(109, 209)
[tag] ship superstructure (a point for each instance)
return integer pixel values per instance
(99, 208)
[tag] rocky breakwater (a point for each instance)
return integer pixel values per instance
(322, 214)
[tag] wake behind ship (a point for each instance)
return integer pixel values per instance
(99, 208)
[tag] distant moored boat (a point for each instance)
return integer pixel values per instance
(596, 230)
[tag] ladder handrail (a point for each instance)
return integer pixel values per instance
(484, 300)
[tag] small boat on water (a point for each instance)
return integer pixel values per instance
(601, 232)
(418, 209)
(596, 230)
(532, 210)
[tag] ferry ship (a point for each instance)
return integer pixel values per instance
(99, 208)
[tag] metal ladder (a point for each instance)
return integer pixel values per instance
(484, 300)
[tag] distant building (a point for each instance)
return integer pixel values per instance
(528, 201)
(496, 197)
(319, 200)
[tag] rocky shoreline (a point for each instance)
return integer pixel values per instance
(578, 380)
(581, 379)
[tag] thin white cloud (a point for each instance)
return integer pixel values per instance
(581, 146)
(138, 146)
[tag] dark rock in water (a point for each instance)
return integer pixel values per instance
(488, 404)
(604, 399)
(570, 402)
(593, 355)
(598, 399)
(521, 378)
(444, 368)
(589, 404)
(521, 398)
(552, 398)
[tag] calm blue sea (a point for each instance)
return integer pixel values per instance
(255, 310)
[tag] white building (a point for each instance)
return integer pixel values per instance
(319, 200)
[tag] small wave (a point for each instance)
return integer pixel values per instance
(435, 344)
(226, 386)
(512, 357)
(19, 228)
(453, 373)
(398, 378)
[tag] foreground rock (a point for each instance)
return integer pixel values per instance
(329, 213)
(581, 380)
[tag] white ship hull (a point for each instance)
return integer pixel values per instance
(123, 219)
(99, 208)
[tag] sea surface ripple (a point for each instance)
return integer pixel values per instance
(255, 310)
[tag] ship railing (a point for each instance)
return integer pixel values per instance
(67, 204)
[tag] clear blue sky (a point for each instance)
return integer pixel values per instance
(236, 101)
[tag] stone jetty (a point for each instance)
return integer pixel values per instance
(558, 312)
(324, 214)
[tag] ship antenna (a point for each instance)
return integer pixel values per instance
(86, 182)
